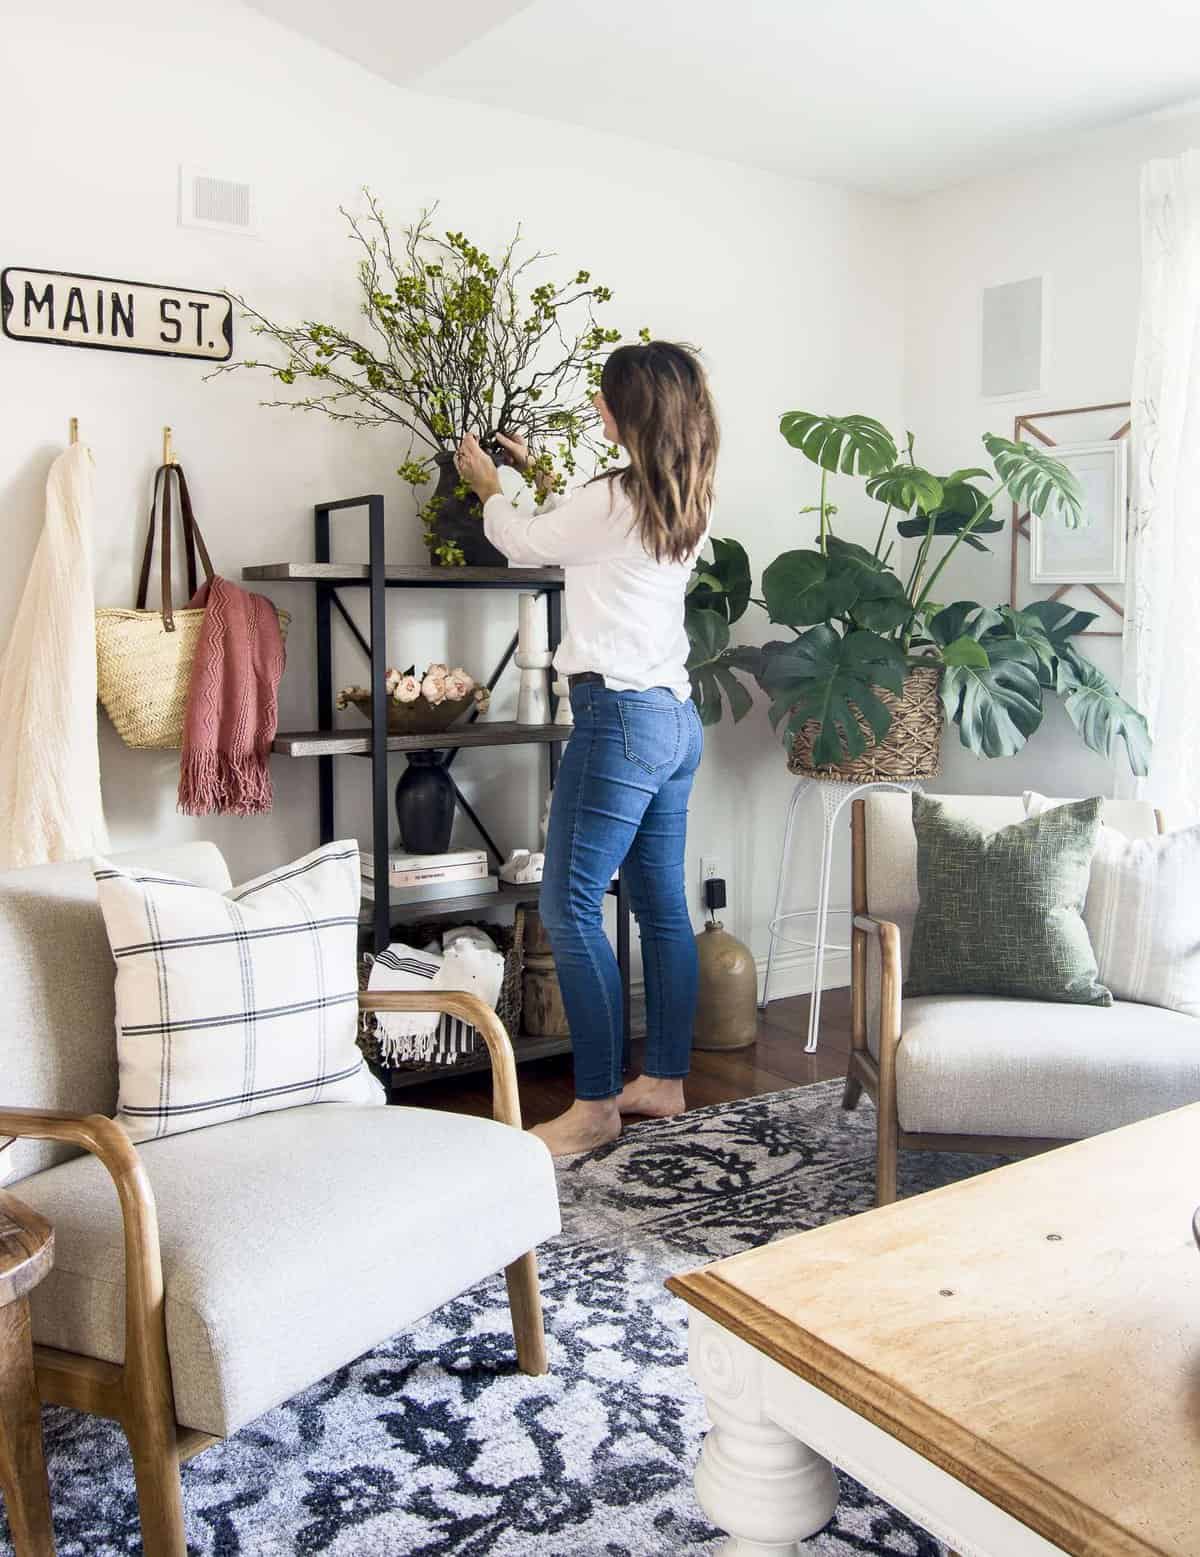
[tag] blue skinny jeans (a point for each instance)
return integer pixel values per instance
(621, 800)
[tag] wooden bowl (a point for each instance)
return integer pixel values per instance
(419, 718)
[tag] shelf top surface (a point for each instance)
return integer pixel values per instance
(357, 743)
(508, 896)
(399, 576)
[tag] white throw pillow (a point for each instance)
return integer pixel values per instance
(235, 1003)
(1142, 913)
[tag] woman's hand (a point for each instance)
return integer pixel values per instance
(477, 468)
(519, 453)
(517, 448)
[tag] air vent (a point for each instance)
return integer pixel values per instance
(218, 204)
(1013, 338)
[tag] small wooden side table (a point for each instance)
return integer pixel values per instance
(26, 1254)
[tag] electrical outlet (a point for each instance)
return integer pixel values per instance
(710, 866)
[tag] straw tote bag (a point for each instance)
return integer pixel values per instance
(144, 658)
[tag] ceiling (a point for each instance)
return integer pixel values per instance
(896, 96)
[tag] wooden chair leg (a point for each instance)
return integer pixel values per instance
(525, 1301)
(22, 1463)
(887, 1152)
(159, 1493)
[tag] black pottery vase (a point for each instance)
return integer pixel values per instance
(425, 804)
(459, 520)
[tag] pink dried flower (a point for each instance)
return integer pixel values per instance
(408, 690)
(459, 685)
(433, 688)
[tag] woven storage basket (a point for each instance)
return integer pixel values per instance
(144, 658)
(910, 750)
(511, 941)
(143, 672)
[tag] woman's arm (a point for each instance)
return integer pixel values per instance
(579, 529)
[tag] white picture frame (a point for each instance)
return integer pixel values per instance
(1094, 552)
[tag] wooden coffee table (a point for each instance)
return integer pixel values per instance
(1013, 1361)
(26, 1254)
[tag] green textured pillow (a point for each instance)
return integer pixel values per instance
(1002, 913)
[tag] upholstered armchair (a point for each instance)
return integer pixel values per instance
(976, 1073)
(203, 1278)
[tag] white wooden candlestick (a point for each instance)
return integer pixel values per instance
(533, 657)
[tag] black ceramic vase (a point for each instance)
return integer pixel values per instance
(425, 804)
(460, 521)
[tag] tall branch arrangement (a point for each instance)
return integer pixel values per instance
(457, 341)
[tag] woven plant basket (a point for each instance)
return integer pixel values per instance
(143, 672)
(910, 750)
(511, 941)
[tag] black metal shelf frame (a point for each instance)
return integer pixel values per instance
(377, 583)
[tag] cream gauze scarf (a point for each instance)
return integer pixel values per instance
(50, 807)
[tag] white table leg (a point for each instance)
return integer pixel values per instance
(754, 1479)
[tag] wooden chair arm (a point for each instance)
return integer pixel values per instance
(890, 982)
(145, 1327)
(506, 1102)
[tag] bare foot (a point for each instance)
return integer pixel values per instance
(584, 1126)
(653, 1097)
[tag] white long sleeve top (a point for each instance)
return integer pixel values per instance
(623, 609)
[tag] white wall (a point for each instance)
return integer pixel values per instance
(794, 291)
(1075, 218)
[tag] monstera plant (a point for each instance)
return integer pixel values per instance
(863, 619)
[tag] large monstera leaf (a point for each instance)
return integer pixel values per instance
(961, 505)
(1037, 482)
(711, 665)
(1046, 627)
(804, 588)
(724, 584)
(1100, 714)
(880, 602)
(905, 487)
(990, 687)
(855, 445)
(825, 677)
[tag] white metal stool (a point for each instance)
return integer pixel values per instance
(835, 796)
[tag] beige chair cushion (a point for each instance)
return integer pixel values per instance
(292, 1242)
(975, 1065)
(58, 1037)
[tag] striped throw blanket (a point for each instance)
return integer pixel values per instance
(469, 962)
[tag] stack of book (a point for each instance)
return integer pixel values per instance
(421, 878)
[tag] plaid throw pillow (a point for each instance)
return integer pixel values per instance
(1001, 913)
(235, 1003)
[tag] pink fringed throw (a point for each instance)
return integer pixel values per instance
(232, 703)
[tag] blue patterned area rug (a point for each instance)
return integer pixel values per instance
(435, 1444)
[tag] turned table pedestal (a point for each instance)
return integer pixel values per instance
(26, 1254)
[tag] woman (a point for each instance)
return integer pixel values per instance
(627, 541)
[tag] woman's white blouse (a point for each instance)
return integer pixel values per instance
(624, 610)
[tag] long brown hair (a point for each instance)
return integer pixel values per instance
(659, 398)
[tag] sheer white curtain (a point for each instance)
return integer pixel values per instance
(1162, 632)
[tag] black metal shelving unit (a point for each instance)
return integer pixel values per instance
(327, 743)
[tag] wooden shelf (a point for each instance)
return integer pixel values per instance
(443, 907)
(357, 743)
(345, 574)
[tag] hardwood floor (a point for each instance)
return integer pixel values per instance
(777, 1060)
